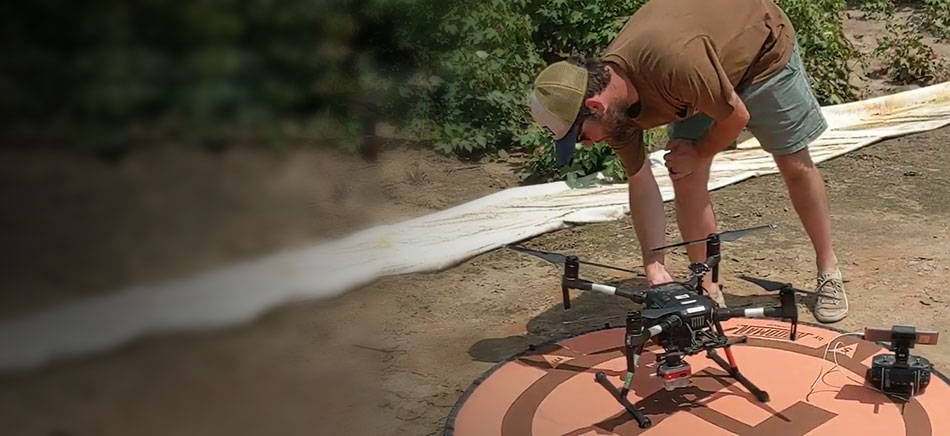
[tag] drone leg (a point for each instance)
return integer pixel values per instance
(628, 378)
(642, 420)
(733, 369)
(633, 346)
(727, 349)
(760, 395)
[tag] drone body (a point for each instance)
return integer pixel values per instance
(677, 299)
(681, 318)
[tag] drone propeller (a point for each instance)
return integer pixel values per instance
(559, 259)
(773, 286)
(727, 236)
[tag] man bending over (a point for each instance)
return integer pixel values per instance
(706, 69)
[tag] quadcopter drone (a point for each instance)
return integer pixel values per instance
(679, 316)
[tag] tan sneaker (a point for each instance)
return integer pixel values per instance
(831, 309)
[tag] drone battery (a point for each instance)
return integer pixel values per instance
(675, 376)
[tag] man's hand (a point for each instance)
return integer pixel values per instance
(649, 221)
(682, 158)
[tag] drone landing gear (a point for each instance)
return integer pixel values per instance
(633, 342)
(733, 371)
(642, 419)
(729, 367)
(732, 368)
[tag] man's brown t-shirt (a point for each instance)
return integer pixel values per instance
(685, 57)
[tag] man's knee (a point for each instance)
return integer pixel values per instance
(693, 186)
(795, 165)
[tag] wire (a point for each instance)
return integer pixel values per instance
(822, 373)
(821, 363)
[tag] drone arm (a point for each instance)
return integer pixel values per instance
(664, 325)
(571, 280)
(585, 285)
(787, 310)
(723, 314)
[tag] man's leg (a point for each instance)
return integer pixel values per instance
(695, 216)
(806, 189)
(785, 119)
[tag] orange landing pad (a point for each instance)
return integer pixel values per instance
(552, 391)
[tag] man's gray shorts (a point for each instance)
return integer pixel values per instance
(784, 114)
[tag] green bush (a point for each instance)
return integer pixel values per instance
(877, 9)
(563, 28)
(935, 17)
(470, 98)
(542, 167)
(111, 74)
(905, 58)
(455, 73)
(474, 99)
(556, 30)
(826, 53)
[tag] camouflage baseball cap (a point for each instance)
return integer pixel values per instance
(555, 103)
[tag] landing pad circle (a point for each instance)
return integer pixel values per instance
(552, 390)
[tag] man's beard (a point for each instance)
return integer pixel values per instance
(617, 123)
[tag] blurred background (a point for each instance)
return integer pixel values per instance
(144, 140)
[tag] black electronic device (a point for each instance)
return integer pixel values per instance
(900, 373)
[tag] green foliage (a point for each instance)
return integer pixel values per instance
(905, 58)
(455, 73)
(474, 100)
(588, 160)
(472, 92)
(563, 28)
(825, 51)
(108, 74)
(463, 115)
(877, 9)
(935, 17)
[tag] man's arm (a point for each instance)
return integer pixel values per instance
(649, 221)
(684, 156)
(698, 80)
(724, 130)
(646, 205)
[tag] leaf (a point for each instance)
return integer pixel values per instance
(572, 180)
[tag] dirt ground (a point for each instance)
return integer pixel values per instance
(393, 357)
